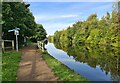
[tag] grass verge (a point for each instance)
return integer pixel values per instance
(10, 63)
(0, 66)
(61, 71)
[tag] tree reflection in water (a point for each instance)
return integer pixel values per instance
(106, 57)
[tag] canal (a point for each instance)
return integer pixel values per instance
(96, 63)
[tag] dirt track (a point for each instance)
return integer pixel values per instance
(32, 67)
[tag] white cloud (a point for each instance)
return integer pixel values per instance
(52, 17)
(51, 28)
(53, 23)
(68, 16)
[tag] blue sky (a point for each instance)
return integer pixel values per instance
(59, 15)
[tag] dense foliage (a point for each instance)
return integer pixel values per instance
(17, 14)
(103, 31)
(40, 33)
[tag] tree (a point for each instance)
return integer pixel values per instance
(17, 14)
(40, 33)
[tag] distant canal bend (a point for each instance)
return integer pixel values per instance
(96, 63)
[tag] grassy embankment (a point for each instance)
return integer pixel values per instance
(10, 63)
(61, 71)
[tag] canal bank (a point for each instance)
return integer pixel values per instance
(60, 70)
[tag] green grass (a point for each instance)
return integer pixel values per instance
(0, 66)
(10, 63)
(61, 71)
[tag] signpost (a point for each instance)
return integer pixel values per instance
(16, 32)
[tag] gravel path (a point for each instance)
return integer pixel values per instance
(32, 67)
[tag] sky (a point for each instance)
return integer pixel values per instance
(55, 16)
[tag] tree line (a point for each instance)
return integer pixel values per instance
(17, 14)
(103, 31)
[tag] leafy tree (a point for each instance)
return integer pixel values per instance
(17, 14)
(40, 33)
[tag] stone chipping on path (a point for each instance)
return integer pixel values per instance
(32, 67)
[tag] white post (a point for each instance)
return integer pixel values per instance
(13, 44)
(3, 47)
(16, 32)
(16, 43)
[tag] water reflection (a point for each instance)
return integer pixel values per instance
(107, 58)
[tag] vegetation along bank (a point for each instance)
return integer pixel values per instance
(61, 71)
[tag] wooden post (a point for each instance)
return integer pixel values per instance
(42, 47)
(39, 44)
(13, 44)
(3, 47)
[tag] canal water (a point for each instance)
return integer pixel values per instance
(93, 63)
